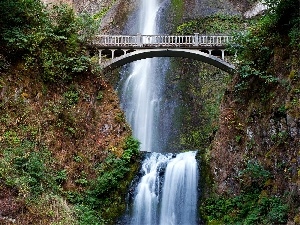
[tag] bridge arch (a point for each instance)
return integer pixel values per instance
(183, 53)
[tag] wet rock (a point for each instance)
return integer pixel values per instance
(257, 9)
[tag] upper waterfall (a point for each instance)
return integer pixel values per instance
(147, 17)
(141, 89)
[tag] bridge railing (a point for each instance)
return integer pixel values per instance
(139, 40)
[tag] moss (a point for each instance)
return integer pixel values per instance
(206, 184)
(297, 219)
(115, 205)
(201, 88)
(292, 74)
(178, 9)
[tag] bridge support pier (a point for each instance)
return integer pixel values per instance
(112, 53)
(100, 56)
(223, 54)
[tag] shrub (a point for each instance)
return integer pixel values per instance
(131, 149)
(250, 206)
(278, 27)
(254, 176)
(50, 41)
(102, 200)
(87, 216)
(71, 97)
(27, 169)
(114, 169)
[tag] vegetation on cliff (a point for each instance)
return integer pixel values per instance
(48, 40)
(215, 24)
(66, 152)
(254, 157)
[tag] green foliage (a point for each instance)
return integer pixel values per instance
(18, 18)
(100, 95)
(61, 176)
(285, 15)
(202, 90)
(254, 57)
(71, 97)
(102, 198)
(82, 181)
(280, 137)
(11, 138)
(254, 48)
(51, 41)
(27, 169)
(294, 33)
(110, 173)
(254, 176)
(238, 138)
(114, 169)
(178, 9)
(77, 158)
(87, 26)
(246, 209)
(101, 13)
(87, 216)
(74, 197)
(26, 166)
(214, 24)
(131, 149)
(252, 206)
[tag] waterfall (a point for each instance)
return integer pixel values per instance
(167, 190)
(179, 198)
(146, 201)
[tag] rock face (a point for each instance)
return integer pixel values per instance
(116, 18)
(115, 12)
(255, 10)
(196, 8)
(57, 1)
(89, 6)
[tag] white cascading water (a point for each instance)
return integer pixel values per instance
(174, 202)
(146, 201)
(158, 200)
(179, 196)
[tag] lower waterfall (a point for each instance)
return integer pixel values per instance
(179, 194)
(167, 192)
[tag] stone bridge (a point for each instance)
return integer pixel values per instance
(117, 50)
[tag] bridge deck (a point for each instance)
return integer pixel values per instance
(160, 41)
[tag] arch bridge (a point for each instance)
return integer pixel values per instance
(117, 50)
